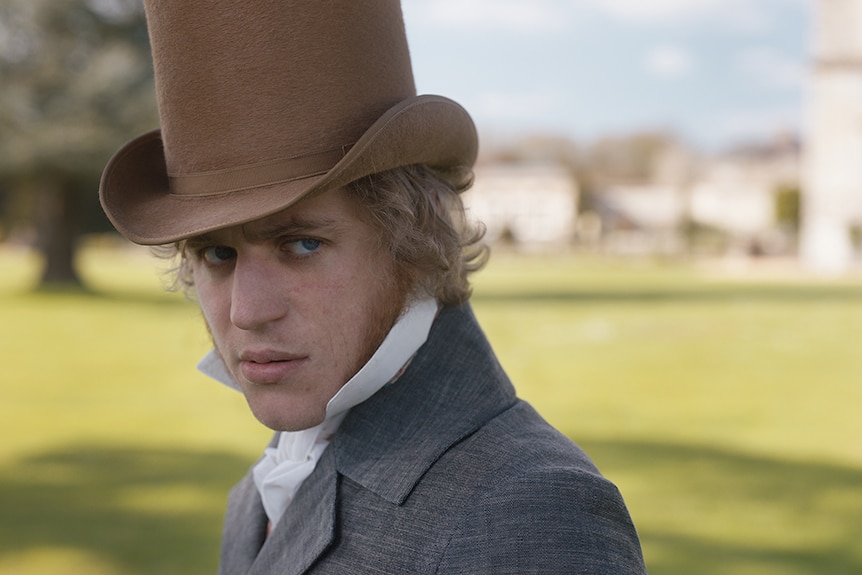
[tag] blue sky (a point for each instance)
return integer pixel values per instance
(715, 72)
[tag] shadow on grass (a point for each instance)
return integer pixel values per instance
(141, 510)
(705, 511)
(84, 293)
(724, 293)
(734, 513)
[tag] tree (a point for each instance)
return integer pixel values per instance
(628, 158)
(77, 82)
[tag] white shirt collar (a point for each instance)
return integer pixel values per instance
(402, 341)
(285, 467)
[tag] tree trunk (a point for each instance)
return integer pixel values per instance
(59, 219)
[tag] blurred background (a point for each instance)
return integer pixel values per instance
(673, 194)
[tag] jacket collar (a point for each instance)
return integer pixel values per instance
(450, 389)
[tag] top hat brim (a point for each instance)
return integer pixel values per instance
(136, 194)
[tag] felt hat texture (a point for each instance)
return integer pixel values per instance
(264, 102)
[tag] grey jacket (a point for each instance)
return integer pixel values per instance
(445, 471)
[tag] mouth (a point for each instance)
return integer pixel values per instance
(266, 368)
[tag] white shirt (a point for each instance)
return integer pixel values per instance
(283, 469)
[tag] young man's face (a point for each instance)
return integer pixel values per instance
(296, 303)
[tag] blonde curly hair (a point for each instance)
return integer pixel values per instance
(420, 221)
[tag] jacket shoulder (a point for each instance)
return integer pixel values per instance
(540, 506)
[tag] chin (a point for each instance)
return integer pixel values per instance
(279, 408)
(286, 419)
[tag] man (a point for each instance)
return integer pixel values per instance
(312, 198)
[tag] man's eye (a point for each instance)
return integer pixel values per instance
(215, 255)
(304, 246)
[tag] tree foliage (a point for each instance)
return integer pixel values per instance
(77, 82)
(628, 158)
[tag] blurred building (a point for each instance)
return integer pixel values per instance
(697, 205)
(832, 216)
(731, 198)
(746, 200)
(531, 204)
(738, 193)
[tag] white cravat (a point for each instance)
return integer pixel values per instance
(282, 470)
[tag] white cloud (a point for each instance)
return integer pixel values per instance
(517, 106)
(656, 10)
(766, 66)
(742, 15)
(511, 15)
(668, 61)
(538, 16)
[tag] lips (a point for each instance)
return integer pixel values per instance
(269, 367)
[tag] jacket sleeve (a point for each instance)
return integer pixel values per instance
(549, 521)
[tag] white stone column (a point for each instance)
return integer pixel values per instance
(832, 164)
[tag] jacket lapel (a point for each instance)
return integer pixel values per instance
(307, 528)
(451, 388)
(245, 528)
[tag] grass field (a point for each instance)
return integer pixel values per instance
(726, 409)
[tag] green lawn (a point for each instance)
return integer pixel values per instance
(725, 409)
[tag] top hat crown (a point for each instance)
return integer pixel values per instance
(264, 102)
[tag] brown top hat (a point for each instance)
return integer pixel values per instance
(264, 102)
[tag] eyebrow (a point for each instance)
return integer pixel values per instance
(289, 226)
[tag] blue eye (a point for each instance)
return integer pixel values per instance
(304, 246)
(215, 255)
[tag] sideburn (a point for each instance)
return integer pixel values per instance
(394, 294)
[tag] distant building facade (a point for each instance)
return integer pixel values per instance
(528, 204)
(734, 194)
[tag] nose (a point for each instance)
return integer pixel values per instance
(256, 300)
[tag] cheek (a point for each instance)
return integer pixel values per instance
(350, 305)
(211, 303)
(379, 308)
